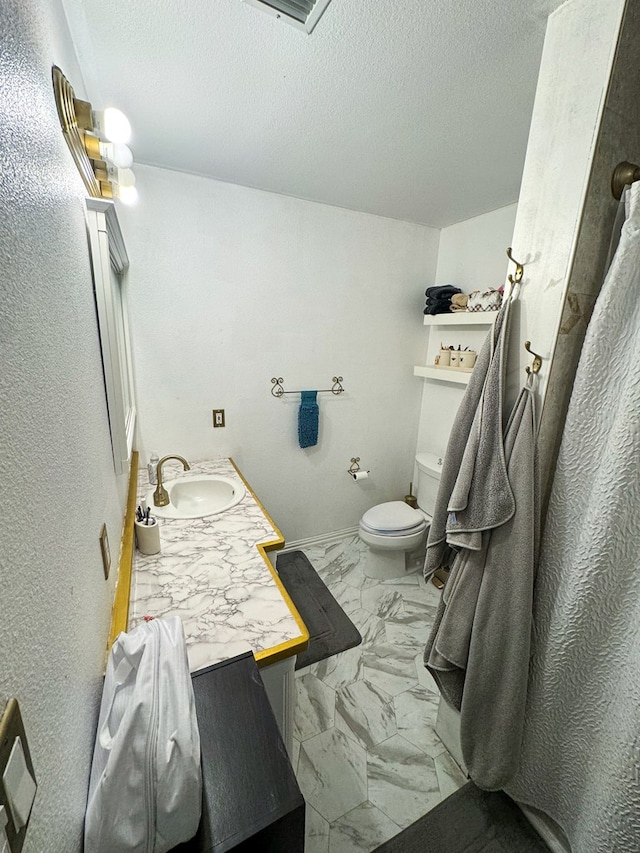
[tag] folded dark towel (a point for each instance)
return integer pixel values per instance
(308, 419)
(441, 291)
(434, 303)
(435, 306)
(439, 308)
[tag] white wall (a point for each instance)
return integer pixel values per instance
(231, 286)
(576, 66)
(472, 257)
(472, 253)
(56, 467)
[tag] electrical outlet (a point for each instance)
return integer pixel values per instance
(104, 550)
(218, 418)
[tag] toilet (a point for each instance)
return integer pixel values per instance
(392, 530)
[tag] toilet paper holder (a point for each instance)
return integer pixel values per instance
(355, 469)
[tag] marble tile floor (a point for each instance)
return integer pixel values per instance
(366, 755)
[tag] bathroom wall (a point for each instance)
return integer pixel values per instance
(472, 257)
(576, 66)
(472, 253)
(231, 286)
(56, 467)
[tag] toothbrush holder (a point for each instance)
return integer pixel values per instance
(148, 536)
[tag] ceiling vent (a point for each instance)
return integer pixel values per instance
(303, 14)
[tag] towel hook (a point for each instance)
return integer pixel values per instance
(517, 278)
(624, 173)
(537, 359)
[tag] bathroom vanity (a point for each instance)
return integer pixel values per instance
(216, 575)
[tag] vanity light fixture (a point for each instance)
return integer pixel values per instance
(303, 14)
(97, 141)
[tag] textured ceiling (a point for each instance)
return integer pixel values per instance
(417, 110)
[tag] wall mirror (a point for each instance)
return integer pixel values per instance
(110, 263)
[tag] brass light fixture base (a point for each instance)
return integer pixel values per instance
(77, 128)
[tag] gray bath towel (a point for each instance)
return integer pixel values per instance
(581, 746)
(478, 651)
(485, 527)
(475, 443)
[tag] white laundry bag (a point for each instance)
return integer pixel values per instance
(146, 786)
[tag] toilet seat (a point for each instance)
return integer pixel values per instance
(399, 532)
(393, 519)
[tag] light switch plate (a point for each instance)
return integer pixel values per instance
(19, 786)
(11, 727)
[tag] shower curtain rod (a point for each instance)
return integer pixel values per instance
(624, 173)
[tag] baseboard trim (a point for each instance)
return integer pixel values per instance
(322, 539)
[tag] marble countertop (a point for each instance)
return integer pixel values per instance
(214, 573)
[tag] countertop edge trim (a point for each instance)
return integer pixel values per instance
(120, 610)
(277, 543)
(291, 647)
(298, 644)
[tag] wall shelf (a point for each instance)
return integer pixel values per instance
(443, 374)
(461, 318)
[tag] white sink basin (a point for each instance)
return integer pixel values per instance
(198, 496)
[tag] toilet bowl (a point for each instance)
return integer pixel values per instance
(393, 529)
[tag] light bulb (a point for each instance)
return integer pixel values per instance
(106, 151)
(115, 125)
(128, 195)
(122, 156)
(126, 178)
(118, 155)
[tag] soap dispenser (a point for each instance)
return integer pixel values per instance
(152, 469)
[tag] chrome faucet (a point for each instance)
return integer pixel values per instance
(160, 496)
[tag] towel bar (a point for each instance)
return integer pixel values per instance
(278, 390)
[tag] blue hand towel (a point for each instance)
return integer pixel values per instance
(308, 419)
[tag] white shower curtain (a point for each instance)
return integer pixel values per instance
(581, 751)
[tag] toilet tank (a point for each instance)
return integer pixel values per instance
(429, 469)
